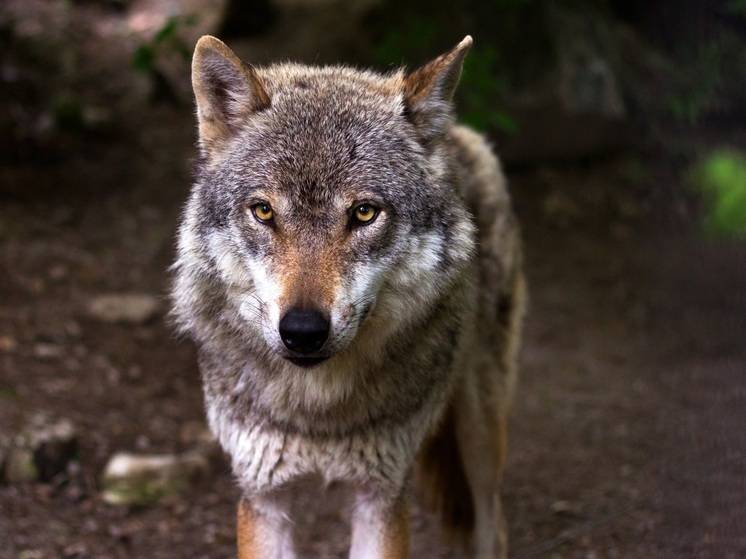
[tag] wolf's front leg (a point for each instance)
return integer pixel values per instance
(264, 531)
(380, 528)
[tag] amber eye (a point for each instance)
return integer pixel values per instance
(365, 213)
(263, 212)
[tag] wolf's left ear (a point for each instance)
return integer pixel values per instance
(428, 91)
(227, 92)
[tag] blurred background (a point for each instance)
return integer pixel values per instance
(622, 128)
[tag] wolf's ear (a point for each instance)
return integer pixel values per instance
(428, 91)
(227, 92)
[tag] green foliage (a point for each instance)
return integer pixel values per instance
(482, 87)
(412, 40)
(696, 90)
(8, 392)
(736, 7)
(635, 171)
(481, 91)
(68, 113)
(167, 39)
(721, 179)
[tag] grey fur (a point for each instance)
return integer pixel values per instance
(441, 300)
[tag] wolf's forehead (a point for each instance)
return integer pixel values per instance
(334, 118)
(331, 145)
(328, 134)
(297, 80)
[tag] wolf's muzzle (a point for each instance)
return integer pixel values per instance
(304, 331)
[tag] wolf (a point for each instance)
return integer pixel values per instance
(349, 267)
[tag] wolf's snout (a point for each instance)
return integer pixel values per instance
(304, 331)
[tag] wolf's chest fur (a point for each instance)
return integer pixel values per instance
(266, 457)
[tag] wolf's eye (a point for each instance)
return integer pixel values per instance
(365, 213)
(263, 212)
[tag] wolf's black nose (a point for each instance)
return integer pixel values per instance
(304, 331)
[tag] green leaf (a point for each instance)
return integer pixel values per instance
(736, 7)
(167, 31)
(721, 179)
(144, 59)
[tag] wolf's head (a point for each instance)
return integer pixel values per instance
(326, 201)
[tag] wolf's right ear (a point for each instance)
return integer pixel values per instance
(227, 92)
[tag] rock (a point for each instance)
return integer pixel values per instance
(42, 450)
(20, 467)
(585, 43)
(47, 351)
(132, 479)
(128, 308)
(574, 105)
(565, 508)
(54, 445)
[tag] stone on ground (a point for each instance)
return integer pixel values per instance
(42, 450)
(141, 479)
(127, 308)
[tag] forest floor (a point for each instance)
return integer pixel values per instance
(627, 436)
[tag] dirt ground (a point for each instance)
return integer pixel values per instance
(627, 437)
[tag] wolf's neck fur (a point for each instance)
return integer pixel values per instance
(382, 382)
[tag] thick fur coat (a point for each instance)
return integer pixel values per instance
(422, 301)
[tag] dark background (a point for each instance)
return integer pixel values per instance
(621, 126)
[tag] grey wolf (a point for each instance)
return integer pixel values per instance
(349, 267)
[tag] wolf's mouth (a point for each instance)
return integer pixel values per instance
(306, 362)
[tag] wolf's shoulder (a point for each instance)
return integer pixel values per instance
(480, 174)
(485, 190)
